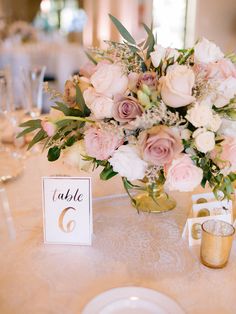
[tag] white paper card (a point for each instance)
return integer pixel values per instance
(210, 209)
(67, 210)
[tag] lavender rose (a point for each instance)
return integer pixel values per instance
(149, 79)
(126, 109)
(159, 145)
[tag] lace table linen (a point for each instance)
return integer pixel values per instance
(128, 249)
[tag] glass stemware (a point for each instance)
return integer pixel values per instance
(11, 163)
(32, 80)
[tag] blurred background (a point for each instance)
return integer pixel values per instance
(54, 33)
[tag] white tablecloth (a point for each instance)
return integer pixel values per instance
(128, 249)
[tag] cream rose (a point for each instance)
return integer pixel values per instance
(127, 162)
(176, 86)
(157, 55)
(204, 140)
(109, 80)
(206, 51)
(160, 53)
(199, 115)
(183, 175)
(225, 91)
(100, 105)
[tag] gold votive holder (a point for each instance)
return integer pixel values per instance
(216, 243)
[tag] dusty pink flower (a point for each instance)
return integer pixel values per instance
(160, 145)
(183, 175)
(126, 109)
(49, 127)
(221, 69)
(149, 79)
(101, 143)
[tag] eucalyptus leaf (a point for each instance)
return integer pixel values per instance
(81, 102)
(37, 138)
(150, 40)
(91, 58)
(26, 131)
(122, 30)
(31, 123)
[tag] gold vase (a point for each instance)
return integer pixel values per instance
(151, 199)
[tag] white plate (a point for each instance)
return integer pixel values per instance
(132, 300)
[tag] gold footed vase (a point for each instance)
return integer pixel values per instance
(149, 198)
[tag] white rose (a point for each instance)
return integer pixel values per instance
(172, 53)
(205, 141)
(176, 86)
(199, 115)
(228, 127)
(206, 51)
(157, 55)
(127, 163)
(214, 123)
(101, 106)
(109, 80)
(225, 91)
(73, 156)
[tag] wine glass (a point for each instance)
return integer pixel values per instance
(32, 80)
(11, 163)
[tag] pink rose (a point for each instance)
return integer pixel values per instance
(221, 69)
(126, 109)
(176, 86)
(100, 105)
(101, 143)
(160, 145)
(87, 69)
(49, 127)
(110, 80)
(183, 175)
(226, 157)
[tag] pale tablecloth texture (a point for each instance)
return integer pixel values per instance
(128, 249)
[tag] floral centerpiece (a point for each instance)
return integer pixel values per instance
(159, 115)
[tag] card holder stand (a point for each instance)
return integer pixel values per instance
(205, 207)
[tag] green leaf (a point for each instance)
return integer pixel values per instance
(90, 58)
(122, 30)
(71, 140)
(32, 124)
(26, 131)
(81, 102)
(54, 153)
(37, 138)
(150, 40)
(107, 173)
(232, 176)
(68, 111)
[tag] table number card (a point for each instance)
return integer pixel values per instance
(205, 207)
(67, 210)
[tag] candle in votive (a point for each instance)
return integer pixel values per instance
(217, 237)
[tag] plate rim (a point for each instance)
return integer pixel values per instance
(150, 295)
